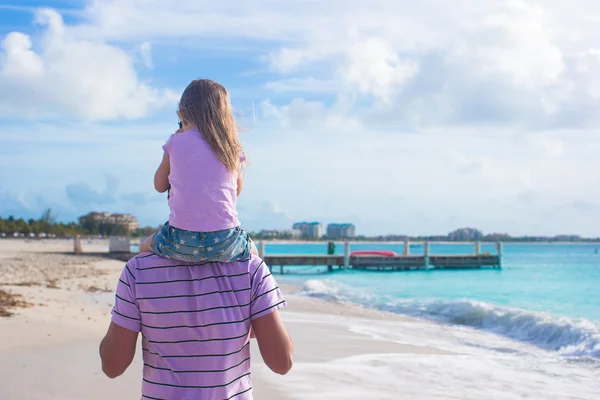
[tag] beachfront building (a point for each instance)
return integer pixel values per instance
(126, 220)
(309, 230)
(95, 220)
(341, 231)
(99, 216)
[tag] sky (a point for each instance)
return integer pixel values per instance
(402, 117)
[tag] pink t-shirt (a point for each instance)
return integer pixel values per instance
(203, 192)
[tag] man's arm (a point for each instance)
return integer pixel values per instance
(117, 350)
(276, 347)
(273, 340)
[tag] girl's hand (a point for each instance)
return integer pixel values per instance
(179, 130)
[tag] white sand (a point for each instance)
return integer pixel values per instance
(50, 350)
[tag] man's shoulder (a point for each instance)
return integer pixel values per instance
(150, 260)
(255, 263)
(250, 265)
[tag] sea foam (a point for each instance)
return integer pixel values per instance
(567, 337)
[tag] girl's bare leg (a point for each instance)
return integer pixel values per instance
(253, 249)
(145, 245)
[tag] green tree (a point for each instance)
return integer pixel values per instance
(34, 226)
(21, 226)
(8, 225)
(47, 221)
(89, 225)
(48, 218)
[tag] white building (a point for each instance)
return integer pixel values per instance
(127, 221)
(341, 231)
(310, 230)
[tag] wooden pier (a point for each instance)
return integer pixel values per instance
(407, 261)
(119, 248)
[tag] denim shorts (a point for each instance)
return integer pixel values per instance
(221, 246)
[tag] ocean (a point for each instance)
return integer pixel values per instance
(546, 295)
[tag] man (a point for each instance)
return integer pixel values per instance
(196, 322)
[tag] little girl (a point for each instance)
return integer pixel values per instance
(202, 170)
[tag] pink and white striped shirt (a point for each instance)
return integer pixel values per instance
(195, 322)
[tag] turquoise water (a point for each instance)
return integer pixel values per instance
(563, 279)
(545, 294)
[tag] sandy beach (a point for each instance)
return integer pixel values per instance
(49, 345)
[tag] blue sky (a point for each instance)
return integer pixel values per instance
(399, 117)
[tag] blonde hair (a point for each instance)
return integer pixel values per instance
(205, 104)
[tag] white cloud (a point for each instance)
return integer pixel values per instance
(146, 54)
(515, 41)
(587, 73)
(374, 68)
(289, 59)
(303, 85)
(316, 115)
(551, 147)
(62, 76)
(498, 62)
(266, 215)
(504, 62)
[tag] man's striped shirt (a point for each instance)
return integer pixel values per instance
(195, 322)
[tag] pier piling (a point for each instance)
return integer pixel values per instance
(330, 251)
(77, 245)
(500, 253)
(346, 254)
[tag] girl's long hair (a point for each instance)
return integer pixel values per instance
(205, 103)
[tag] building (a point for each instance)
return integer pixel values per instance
(99, 216)
(127, 221)
(310, 230)
(341, 231)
